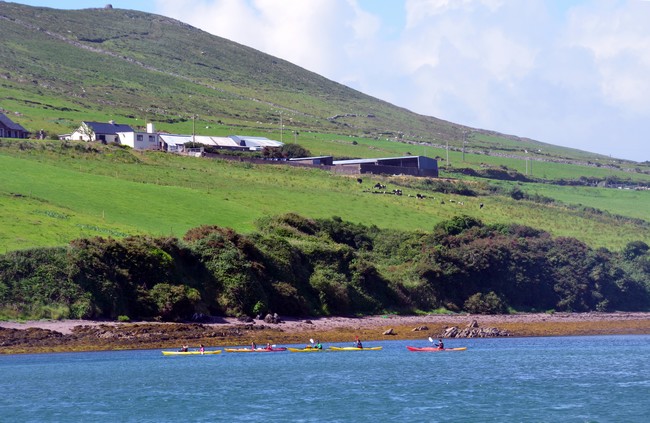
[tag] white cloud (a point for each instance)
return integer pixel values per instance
(320, 35)
(572, 73)
(620, 41)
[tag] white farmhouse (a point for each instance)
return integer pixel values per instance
(140, 140)
(99, 131)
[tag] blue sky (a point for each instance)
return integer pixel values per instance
(565, 72)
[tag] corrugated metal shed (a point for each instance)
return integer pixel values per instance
(413, 165)
(316, 160)
(175, 140)
(249, 141)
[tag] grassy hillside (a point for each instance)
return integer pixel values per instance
(63, 65)
(54, 192)
(60, 67)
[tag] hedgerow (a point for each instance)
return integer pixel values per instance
(323, 267)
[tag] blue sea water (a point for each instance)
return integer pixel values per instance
(563, 379)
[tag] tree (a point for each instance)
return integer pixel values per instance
(87, 132)
(294, 150)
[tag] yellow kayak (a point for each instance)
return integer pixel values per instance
(355, 349)
(212, 352)
(308, 349)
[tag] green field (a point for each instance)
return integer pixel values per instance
(134, 68)
(52, 194)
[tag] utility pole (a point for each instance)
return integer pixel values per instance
(464, 142)
(281, 128)
(193, 130)
(526, 151)
(447, 161)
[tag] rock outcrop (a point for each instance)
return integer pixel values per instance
(472, 330)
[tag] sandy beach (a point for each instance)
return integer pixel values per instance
(84, 335)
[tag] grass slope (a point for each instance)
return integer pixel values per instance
(53, 192)
(60, 67)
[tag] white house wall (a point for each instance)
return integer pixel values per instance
(139, 140)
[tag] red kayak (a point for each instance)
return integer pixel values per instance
(434, 349)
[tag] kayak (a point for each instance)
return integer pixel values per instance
(191, 352)
(354, 349)
(308, 349)
(244, 350)
(434, 349)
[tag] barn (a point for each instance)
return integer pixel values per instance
(10, 129)
(407, 165)
(317, 160)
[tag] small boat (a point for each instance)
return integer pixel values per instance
(211, 352)
(248, 350)
(306, 349)
(355, 349)
(434, 349)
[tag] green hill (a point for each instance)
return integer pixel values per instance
(102, 231)
(53, 192)
(61, 67)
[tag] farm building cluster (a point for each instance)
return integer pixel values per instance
(150, 139)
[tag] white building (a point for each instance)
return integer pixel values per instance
(99, 131)
(141, 140)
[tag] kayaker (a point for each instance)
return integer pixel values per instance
(184, 348)
(441, 345)
(358, 343)
(201, 348)
(318, 345)
(253, 345)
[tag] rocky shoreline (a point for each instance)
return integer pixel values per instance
(83, 335)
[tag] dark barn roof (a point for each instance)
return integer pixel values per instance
(8, 123)
(108, 128)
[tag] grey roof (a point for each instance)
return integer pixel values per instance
(108, 128)
(251, 141)
(310, 158)
(176, 139)
(377, 159)
(10, 123)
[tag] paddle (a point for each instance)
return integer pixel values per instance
(431, 340)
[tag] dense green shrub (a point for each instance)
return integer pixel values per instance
(174, 302)
(489, 303)
(323, 267)
(332, 288)
(457, 225)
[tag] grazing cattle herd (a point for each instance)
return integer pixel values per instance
(379, 188)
